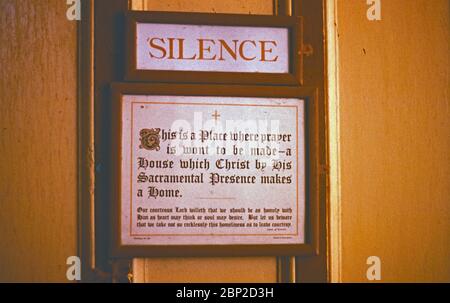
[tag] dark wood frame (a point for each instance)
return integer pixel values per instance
(293, 24)
(310, 247)
(107, 55)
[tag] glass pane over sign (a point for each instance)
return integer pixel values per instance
(212, 170)
(187, 47)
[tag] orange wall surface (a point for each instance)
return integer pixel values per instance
(38, 135)
(395, 139)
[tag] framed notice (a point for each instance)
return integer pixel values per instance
(206, 170)
(213, 48)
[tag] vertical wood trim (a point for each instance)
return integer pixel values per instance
(282, 7)
(315, 268)
(292, 270)
(109, 67)
(86, 157)
(87, 242)
(332, 57)
(138, 265)
(286, 270)
(285, 265)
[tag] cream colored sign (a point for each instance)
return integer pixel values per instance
(212, 48)
(212, 170)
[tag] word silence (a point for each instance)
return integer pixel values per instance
(211, 48)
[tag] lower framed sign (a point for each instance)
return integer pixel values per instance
(211, 170)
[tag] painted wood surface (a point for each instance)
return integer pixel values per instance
(395, 139)
(38, 170)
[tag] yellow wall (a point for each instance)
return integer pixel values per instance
(395, 139)
(37, 140)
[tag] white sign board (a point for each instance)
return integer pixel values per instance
(178, 47)
(212, 171)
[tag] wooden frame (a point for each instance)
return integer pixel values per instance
(310, 247)
(107, 28)
(293, 24)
